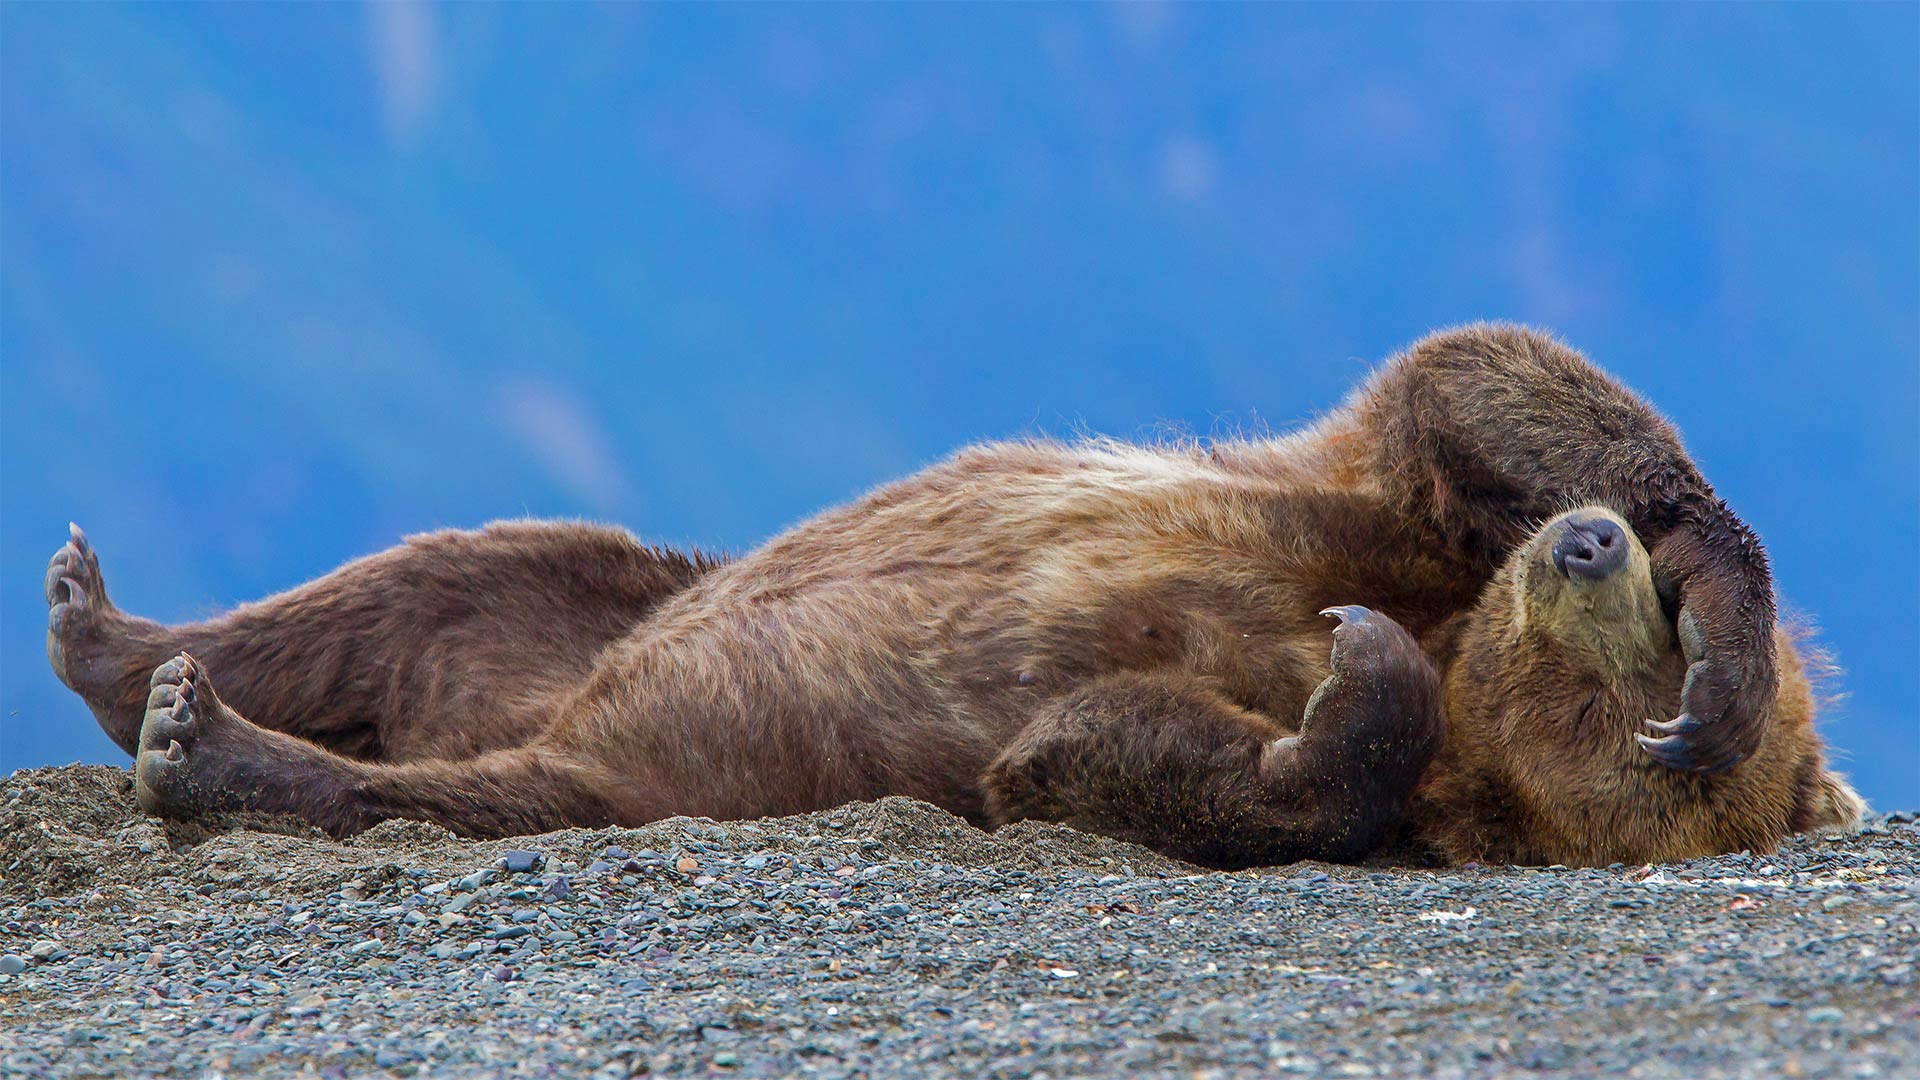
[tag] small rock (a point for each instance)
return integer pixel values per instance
(12, 965)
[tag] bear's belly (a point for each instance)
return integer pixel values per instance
(1006, 660)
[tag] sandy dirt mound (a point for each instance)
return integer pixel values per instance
(65, 830)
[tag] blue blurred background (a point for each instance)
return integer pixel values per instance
(279, 283)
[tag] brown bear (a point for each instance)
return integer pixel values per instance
(1554, 644)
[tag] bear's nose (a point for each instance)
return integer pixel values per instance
(1590, 548)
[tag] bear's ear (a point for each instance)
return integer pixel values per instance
(1826, 801)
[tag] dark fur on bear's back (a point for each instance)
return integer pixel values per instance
(1128, 638)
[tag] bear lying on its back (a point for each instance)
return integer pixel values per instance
(1554, 644)
(1535, 696)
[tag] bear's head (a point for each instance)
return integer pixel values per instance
(1567, 654)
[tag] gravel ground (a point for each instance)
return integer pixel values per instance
(891, 939)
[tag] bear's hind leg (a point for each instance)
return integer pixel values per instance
(100, 652)
(407, 654)
(198, 756)
(1166, 761)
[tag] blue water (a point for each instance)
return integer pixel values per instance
(279, 283)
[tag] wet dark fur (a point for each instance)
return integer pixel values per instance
(1126, 638)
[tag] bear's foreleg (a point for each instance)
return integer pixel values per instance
(1487, 430)
(1166, 761)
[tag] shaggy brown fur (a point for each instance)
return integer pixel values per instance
(1127, 638)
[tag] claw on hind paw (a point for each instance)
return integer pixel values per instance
(1348, 613)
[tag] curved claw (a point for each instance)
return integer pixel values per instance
(79, 538)
(1684, 724)
(1348, 613)
(1673, 751)
(1679, 752)
(75, 595)
(174, 753)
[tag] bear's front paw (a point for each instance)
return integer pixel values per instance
(1364, 640)
(1725, 704)
(1716, 570)
(1379, 710)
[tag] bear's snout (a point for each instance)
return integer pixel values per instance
(1590, 548)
